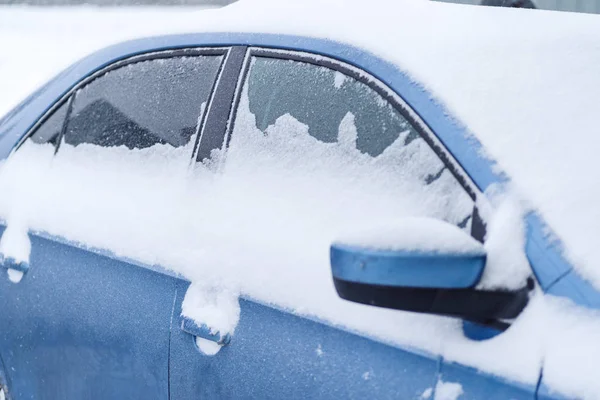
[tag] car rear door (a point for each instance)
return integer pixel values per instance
(85, 311)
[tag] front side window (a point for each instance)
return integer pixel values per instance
(312, 112)
(145, 103)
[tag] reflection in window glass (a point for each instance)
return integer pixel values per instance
(49, 131)
(142, 104)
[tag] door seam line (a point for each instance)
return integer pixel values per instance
(169, 345)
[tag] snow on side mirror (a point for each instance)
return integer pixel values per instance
(421, 265)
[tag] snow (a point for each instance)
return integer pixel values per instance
(448, 390)
(15, 246)
(217, 308)
(319, 351)
(14, 275)
(15, 243)
(427, 393)
(524, 82)
(207, 347)
(507, 266)
(236, 227)
(415, 234)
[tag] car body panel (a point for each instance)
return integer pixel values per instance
(476, 385)
(85, 325)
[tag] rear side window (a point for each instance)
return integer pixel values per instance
(145, 103)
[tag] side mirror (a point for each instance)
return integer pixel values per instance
(422, 265)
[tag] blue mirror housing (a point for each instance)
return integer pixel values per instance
(422, 265)
(402, 268)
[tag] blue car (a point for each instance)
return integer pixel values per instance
(111, 290)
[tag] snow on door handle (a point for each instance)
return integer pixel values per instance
(16, 269)
(204, 331)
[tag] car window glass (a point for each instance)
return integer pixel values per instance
(292, 98)
(49, 131)
(142, 104)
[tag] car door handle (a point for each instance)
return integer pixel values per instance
(11, 263)
(203, 331)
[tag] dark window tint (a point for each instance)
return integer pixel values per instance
(49, 131)
(145, 103)
(320, 98)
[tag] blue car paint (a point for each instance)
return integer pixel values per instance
(544, 393)
(544, 254)
(274, 354)
(85, 326)
(553, 272)
(479, 386)
(408, 269)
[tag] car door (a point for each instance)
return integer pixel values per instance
(83, 316)
(316, 147)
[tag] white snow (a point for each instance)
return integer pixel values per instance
(319, 351)
(339, 80)
(214, 306)
(15, 246)
(14, 275)
(448, 390)
(415, 234)
(524, 82)
(207, 347)
(427, 393)
(15, 243)
(507, 266)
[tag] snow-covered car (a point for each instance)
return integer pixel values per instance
(330, 203)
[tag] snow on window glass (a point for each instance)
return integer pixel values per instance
(289, 98)
(144, 103)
